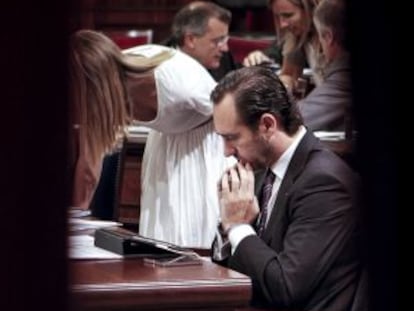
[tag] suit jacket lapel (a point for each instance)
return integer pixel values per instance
(277, 218)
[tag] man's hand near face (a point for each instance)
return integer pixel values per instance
(238, 203)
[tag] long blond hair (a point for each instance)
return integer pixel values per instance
(308, 7)
(101, 106)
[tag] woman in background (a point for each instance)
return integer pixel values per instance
(298, 40)
(168, 91)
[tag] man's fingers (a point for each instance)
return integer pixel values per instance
(224, 184)
(234, 180)
(246, 178)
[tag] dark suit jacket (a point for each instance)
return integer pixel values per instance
(327, 106)
(307, 258)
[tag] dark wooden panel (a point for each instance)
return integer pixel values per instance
(131, 14)
(127, 203)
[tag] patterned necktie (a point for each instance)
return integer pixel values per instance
(264, 200)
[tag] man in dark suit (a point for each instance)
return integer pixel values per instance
(328, 106)
(201, 29)
(306, 257)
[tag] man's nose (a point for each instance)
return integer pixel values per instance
(229, 150)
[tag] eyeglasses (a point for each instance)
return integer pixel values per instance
(220, 41)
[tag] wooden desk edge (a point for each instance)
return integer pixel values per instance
(203, 295)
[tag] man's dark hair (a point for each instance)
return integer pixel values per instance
(257, 90)
(194, 17)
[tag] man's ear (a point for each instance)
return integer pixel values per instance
(267, 124)
(189, 40)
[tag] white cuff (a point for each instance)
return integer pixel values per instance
(238, 233)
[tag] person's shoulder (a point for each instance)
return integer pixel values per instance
(187, 59)
(317, 155)
(182, 63)
(148, 55)
(149, 50)
(184, 76)
(325, 162)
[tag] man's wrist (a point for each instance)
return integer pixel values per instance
(225, 229)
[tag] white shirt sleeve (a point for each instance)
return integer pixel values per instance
(238, 233)
(186, 84)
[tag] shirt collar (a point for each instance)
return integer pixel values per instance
(280, 167)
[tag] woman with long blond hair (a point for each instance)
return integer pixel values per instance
(297, 37)
(169, 92)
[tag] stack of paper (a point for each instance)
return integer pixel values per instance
(330, 136)
(82, 247)
(78, 224)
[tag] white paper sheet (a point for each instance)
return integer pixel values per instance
(79, 224)
(82, 247)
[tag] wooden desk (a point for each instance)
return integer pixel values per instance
(128, 284)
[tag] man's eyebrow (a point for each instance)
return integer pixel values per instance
(230, 135)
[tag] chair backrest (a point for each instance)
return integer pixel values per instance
(129, 38)
(240, 47)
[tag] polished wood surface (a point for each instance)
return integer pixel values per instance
(129, 284)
